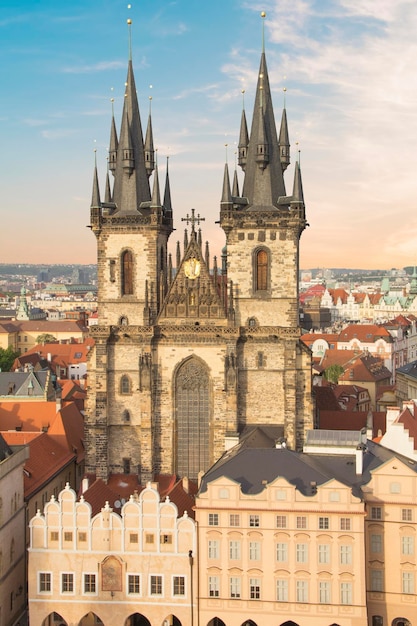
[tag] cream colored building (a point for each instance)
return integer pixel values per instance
(136, 569)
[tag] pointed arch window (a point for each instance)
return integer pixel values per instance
(125, 387)
(261, 270)
(192, 403)
(127, 273)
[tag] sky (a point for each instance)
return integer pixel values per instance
(349, 68)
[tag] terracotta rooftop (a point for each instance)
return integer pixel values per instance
(366, 333)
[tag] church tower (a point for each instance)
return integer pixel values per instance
(186, 360)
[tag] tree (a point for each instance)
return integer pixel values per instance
(46, 338)
(7, 356)
(333, 372)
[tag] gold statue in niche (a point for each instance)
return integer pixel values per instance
(192, 268)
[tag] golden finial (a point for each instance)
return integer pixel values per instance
(263, 16)
(284, 89)
(243, 98)
(129, 24)
(225, 145)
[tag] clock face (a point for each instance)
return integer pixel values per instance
(192, 268)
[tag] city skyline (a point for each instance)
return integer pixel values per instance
(347, 68)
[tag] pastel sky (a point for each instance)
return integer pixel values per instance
(350, 70)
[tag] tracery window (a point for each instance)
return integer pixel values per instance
(192, 401)
(125, 385)
(127, 273)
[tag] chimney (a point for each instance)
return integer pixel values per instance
(84, 484)
(49, 357)
(359, 459)
(369, 425)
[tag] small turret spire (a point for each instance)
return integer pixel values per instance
(297, 193)
(243, 138)
(235, 187)
(156, 195)
(149, 149)
(114, 142)
(226, 193)
(95, 198)
(284, 141)
(167, 194)
(107, 195)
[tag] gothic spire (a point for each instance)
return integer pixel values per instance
(131, 184)
(149, 149)
(284, 142)
(95, 198)
(264, 182)
(167, 194)
(156, 195)
(235, 188)
(226, 194)
(297, 193)
(243, 141)
(114, 142)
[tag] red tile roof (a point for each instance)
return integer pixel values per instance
(366, 333)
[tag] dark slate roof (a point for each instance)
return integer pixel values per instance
(410, 369)
(17, 383)
(251, 467)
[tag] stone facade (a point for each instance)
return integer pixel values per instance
(185, 360)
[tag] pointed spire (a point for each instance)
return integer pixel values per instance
(95, 199)
(156, 196)
(235, 188)
(178, 255)
(185, 240)
(297, 192)
(243, 140)
(167, 194)
(207, 255)
(107, 195)
(264, 182)
(226, 193)
(114, 142)
(149, 149)
(199, 239)
(170, 274)
(284, 142)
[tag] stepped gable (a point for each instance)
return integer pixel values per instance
(193, 293)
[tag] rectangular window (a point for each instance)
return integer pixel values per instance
(282, 552)
(345, 593)
(376, 512)
(254, 521)
(301, 553)
(324, 592)
(234, 550)
(67, 536)
(213, 549)
(89, 583)
(406, 515)
(234, 520)
(178, 586)
(345, 555)
(407, 583)
(45, 582)
(134, 538)
(54, 536)
(407, 546)
(254, 588)
(166, 539)
(234, 587)
(67, 583)
(82, 537)
(301, 591)
(376, 543)
(254, 551)
(133, 583)
(281, 521)
(156, 585)
(324, 523)
(213, 519)
(324, 553)
(214, 588)
(282, 590)
(301, 522)
(149, 538)
(345, 523)
(377, 580)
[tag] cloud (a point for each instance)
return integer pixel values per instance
(102, 66)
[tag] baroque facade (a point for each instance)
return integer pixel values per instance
(186, 359)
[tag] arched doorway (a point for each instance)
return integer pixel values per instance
(249, 622)
(216, 621)
(192, 411)
(289, 623)
(136, 619)
(54, 619)
(90, 619)
(400, 621)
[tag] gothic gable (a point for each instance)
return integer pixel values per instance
(194, 293)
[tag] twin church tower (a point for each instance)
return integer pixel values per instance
(189, 354)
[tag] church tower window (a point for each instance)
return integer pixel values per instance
(127, 273)
(261, 270)
(192, 419)
(125, 385)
